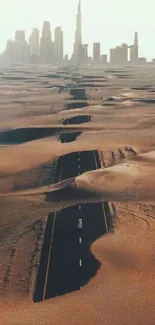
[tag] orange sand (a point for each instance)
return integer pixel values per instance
(123, 291)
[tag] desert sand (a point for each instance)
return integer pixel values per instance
(122, 111)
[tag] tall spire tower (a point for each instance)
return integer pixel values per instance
(136, 39)
(78, 26)
(134, 50)
(78, 36)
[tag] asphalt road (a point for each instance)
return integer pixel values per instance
(66, 261)
(71, 262)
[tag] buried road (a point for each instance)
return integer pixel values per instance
(66, 262)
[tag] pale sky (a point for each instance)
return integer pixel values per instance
(110, 22)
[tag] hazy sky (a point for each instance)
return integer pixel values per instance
(111, 22)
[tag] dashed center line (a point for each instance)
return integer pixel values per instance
(80, 240)
(80, 224)
(79, 207)
(80, 262)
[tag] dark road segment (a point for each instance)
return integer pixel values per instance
(72, 264)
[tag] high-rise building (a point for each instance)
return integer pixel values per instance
(124, 53)
(134, 49)
(16, 51)
(119, 55)
(112, 55)
(20, 48)
(46, 32)
(77, 52)
(34, 46)
(20, 35)
(46, 45)
(58, 45)
(96, 52)
(10, 55)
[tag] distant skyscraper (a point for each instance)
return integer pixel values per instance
(96, 52)
(10, 55)
(34, 46)
(77, 53)
(119, 55)
(112, 56)
(20, 48)
(46, 46)
(134, 49)
(124, 53)
(58, 44)
(20, 35)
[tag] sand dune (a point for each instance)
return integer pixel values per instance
(122, 292)
(127, 181)
(125, 279)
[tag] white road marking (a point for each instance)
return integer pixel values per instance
(79, 174)
(80, 223)
(80, 240)
(104, 214)
(80, 262)
(79, 207)
(78, 166)
(49, 255)
(78, 159)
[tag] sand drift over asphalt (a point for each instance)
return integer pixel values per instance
(128, 181)
(32, 153)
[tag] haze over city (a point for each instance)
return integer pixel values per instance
(110, 23)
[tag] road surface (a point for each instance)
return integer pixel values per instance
(66, 262)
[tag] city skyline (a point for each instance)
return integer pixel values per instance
(47, 50)
(94, 30)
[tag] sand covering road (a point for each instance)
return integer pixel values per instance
(123, 290)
